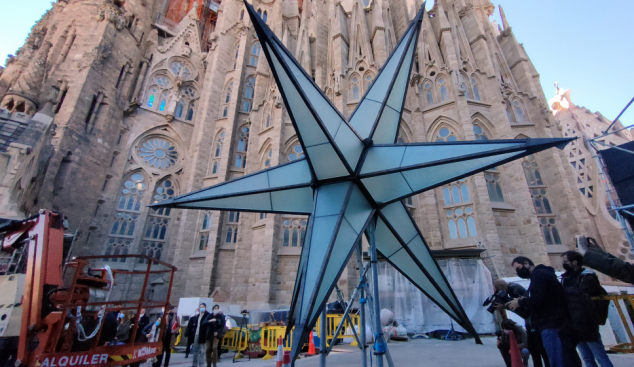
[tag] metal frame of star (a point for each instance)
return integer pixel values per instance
(353, 172)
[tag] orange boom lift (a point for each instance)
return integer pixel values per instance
(51, 313)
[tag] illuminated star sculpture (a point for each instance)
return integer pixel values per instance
(354, 173)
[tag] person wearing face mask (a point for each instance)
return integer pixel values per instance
(169, 336)
(199, 347)
(548, 311)
(585, 315)
(190, 332)
(215, 324)
(504, 343)
(533, 337)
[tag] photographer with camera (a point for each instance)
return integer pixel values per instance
(505, 293)
(548, 312)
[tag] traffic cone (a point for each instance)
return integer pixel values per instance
(311, 346)
(280, 352)
(286, 361)
(516, 355)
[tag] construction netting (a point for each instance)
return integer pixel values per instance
(470, 280)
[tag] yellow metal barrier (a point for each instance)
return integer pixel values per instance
(268, 340)
(236, 340)
(270, 334)
(332, 321)
(620, 301)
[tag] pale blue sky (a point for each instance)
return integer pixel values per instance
(585, 45)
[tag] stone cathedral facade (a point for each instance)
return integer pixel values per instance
(112, 105)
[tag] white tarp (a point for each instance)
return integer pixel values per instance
(470, 280)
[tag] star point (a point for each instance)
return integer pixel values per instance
(354, 173)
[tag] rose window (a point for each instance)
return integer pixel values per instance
(158, 153)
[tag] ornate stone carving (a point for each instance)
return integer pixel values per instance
(113, 14)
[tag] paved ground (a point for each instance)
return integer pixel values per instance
(421, 352)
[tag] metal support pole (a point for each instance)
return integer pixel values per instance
(362, 303)
(322, 339)
(379, 343)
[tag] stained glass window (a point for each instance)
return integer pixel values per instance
(543, 206)
(518, 112)
(158, 153)
(126, 216)
(296, 153)
(179, 108)
(248, 94)
(267, 158)
(243, 146)
(479, 133)
(205, 227)
(494, 187)
(155, 235)
(294, 231)
(255, 54)
(443, 90)
(190, 110)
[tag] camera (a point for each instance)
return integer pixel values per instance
(502, 298)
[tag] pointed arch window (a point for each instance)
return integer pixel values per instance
(242, 147)
(294, 231)
(163, 100)
(355, 87)
(367, 82)
(443, 89)
(458, 209)
(205, 228)
(231, 234)
(267, 160)
(217, 152)
(227, 98)
(427, 91)
(249, 90)
(153, 92)
(255, 53)
(120, 236)
(476, 91)
(479, 133)
(260, 13)
(242, 15)
(264, 16)
(155, 235)
(519, 115)
(544, 209)
(178, 112)
(190, 111)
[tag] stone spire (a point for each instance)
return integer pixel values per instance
(30, 81)
(505, 23)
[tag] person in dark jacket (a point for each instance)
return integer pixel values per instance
(215, 324)
(144, 321)
(596, 258)
(533, 337)
(548, 311)
(200, 337)
(170, 333)
(109, 327)
(576, 277)
(190, 332)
